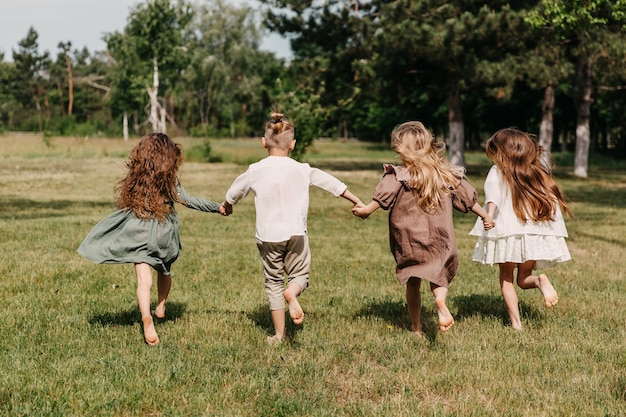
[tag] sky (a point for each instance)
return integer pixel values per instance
(83, 22)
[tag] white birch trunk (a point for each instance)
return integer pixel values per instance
(162, 123)
(583, 134)
(456, 143)
(546, 129)
(581, 155)
(125, 125)
(153, 92)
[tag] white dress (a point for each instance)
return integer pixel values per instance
(513, 240)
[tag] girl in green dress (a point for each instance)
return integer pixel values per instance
(144, 228)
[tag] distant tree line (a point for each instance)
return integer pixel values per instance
(465, 68)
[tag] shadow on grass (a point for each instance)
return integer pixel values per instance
(597, 196)
(130, 317)
(23, 209)
(396, 314)
(262, 319)
(605, 239)
(491, 306)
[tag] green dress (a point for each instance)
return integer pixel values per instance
(122, 237)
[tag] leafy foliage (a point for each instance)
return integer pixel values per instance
(358, 69)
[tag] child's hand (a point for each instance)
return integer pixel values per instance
(488, 223)
(359, 210)
(226, 209)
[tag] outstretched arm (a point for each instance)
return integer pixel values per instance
(197, 203)
(487, 217)
(351, 197)
(363, 211)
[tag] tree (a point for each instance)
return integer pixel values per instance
(327, 40)
(588, 28)
(222, 79)
(449, 49)
(126, 78)
(157, 29)
(28, 78)
(405, 56)
(7, 103)
(62, 76)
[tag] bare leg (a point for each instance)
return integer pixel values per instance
(526, 280)
(144, 285)
(278, 319)
(291, 296)
(414, 303)
(445, 318)
(164, 284)
(509, 294)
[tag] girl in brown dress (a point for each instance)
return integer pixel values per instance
(420, 195)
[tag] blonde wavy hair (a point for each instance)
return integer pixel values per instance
(149, 188)
(432, 177)
(522, 164)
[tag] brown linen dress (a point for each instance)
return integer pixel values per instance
(423, 244)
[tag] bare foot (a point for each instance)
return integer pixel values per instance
(295, 311)
(158, 313)
(274, 340)
(149, 332)
(445, 318)
(418, 333)
(549, 293)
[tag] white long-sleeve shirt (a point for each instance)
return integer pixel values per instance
(281, 195)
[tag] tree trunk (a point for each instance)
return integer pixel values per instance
(456, 144)
(39, 117)
(153, 92)
(162, 121)
(583, 108)
(60, 91)
(70, 85)
(546, 129)
(136, 124)
(125, 125)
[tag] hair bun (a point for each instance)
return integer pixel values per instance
(277, 117)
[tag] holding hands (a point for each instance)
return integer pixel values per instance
(359, 210)
(226, 209)
(363, 211)
(488, 222)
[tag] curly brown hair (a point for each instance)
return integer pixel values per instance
(149, 188)
(522, 164)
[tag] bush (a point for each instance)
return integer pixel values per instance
(201, 153)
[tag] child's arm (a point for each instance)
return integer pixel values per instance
(351, 197)
(237, 190)
(486, 216)
(197, 203)
(363, 211)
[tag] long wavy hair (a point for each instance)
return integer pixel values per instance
(522, 163)
(432, 177)
(279, 132)
(149, 188)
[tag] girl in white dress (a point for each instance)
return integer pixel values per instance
(527, 208)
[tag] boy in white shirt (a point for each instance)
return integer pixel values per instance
(281, 197)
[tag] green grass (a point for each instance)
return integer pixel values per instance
(71, 343)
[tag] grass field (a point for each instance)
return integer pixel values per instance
(71, 342)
